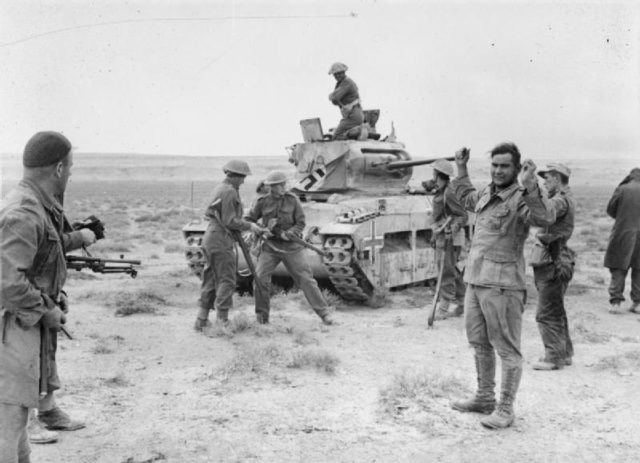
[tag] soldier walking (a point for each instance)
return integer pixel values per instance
(495, 274)
(282, 212)
(224, 214)
(450, 218)
(34, 236)
(552, 261)
(623, 251)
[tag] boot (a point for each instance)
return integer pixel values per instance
(327, 319)
(222, 316)
(503, 416)
(201, 324)
(37, 433)
(261, 318)
(484, 401)
(59, 420)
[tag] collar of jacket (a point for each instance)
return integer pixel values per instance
(235, 187)
(48, 200)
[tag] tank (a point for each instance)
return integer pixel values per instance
(374, 234)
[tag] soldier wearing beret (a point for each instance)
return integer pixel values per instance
(34, 236)
(552, 261)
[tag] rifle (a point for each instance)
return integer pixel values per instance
(273, 228)
(98, 265)
(436, 295)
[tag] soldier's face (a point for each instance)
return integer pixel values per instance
(339, 76)
(551, 181)
(503, 170)
(277, 190)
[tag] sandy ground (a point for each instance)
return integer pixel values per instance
(375, 388)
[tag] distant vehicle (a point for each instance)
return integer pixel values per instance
(354, 193)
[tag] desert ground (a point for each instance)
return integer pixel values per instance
(375, 388)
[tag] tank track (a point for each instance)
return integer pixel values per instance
(344, 272)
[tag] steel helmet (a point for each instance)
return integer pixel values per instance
(337, 67)
(444, 167)
(274, 177)
(237, 167)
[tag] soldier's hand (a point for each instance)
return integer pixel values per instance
(462, 157)
(285, 236)
(88, 237)
(53, 318)
(63, 302)
(529, 180)
(257, 229)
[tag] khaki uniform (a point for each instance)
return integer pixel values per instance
(346, 96)
(290, 218)
(495, 274)
(218, 245)
(33, 241)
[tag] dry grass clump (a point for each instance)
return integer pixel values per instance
(319, 359)
(418, 390)
(255, 359)
(583, 333)
(238, 324)
(128, 303)
(620, 363)
(302, 338)
(118, 380)
(102, 347)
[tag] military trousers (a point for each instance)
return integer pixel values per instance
(493, 321)
(351, 119)
(14, 440)
(299, 269)
(551, 314)
(219, 276)
(616, 287)
(452, 288)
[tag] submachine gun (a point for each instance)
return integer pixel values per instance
(96, 264)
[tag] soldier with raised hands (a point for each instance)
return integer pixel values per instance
(495, 274)
(218, 245)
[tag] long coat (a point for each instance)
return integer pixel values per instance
(623, 250)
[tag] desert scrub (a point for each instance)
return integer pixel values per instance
(628, 361)
(319, 359)
(256, 360)
(140, 302)
(583, 333)
(118, 380)
(238, 324)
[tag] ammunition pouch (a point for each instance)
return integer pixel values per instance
(539, 255)
(565, 263)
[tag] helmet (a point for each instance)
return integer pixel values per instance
(237, 167)
(274, 177)
(443, 166)
(337, 67)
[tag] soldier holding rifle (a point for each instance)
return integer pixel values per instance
(495, 274)
(283, 211)
(225, 218)
(33, 241)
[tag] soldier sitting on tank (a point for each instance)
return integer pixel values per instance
(450, 218)
(282, 211)
(346, 97)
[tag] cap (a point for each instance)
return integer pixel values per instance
(337, 67)
(556, 167)
(45, 148)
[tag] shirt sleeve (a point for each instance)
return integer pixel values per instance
(19, 244)
(459, 216)
(228, 211)
(536, 209)
(255, 213)
(339, 93)
(72, 240)
(465, 193)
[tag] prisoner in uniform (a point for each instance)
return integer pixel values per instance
(282, 212)
(450, 219)
(346, 97)
(218, 245)
(33, 242)
(495, 274)
(552, 261)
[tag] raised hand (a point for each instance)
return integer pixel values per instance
(528, 176)
(462, 157)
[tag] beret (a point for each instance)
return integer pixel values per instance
(45, 149)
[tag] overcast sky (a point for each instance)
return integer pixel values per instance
(234, 78)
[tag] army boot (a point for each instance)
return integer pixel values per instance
(262, 318)
(202, 321)
(484, 401)
(58, 420)
(503, 416)
(222, 316)
(37, 432)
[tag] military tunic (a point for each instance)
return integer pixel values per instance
(346, 96)
(287, 212)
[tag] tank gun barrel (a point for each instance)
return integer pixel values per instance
(395, 165)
